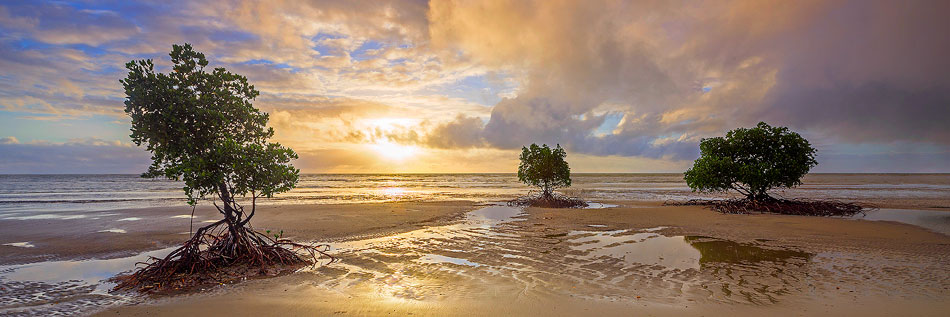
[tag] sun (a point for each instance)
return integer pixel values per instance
(386, 149)
(393, 151)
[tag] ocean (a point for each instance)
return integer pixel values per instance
(25, 195)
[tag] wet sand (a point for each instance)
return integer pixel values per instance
(297, 298)
(59, 265)
(120, 233)
(639, 258)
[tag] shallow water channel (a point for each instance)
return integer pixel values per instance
(492, 252)
(933, 220)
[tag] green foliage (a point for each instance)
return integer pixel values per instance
(752, 161)
(202, 129)
(544, 167)
(277, 236)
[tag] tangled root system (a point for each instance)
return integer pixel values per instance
(553, 200)
(218, 253)
(802, 207)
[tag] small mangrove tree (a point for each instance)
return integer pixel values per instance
(203, 130)
(753, 161)
(546, 169)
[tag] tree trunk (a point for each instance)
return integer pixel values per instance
(760, 196)
(230, 214)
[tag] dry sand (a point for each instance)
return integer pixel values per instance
(542, 265)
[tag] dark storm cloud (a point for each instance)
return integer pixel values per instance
(872, 112)
(858, 71)
(868, 72)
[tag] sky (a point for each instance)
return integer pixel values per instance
(460, 86)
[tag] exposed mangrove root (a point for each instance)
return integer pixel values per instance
(802, 207)
(553, 200)
(217, 253)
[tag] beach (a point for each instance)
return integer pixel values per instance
(479, 257)
(531, 264)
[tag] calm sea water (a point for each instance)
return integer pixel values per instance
(22, 195)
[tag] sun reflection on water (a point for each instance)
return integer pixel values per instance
(394, 191)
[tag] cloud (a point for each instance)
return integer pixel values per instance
(9, 140)
(687, 71)
(867, 73)
(640, 79)
(914, 160)
(75, 156)
(60, 24)
(576, 59)
(850, 112)
(463, 132)
(59, 81)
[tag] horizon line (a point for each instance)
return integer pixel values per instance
(480, 173)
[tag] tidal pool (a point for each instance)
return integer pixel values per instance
(674, 252)
(593, 205)
(934, 220)
(25, 244)
(722, 251)
(64, 287)
(640, 248)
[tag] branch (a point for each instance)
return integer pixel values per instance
(740, 189)
(253, 209)
(218, 207)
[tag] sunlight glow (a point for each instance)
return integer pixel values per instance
(389, 124)
(394, 152)
(394, 191)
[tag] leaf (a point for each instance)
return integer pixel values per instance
(751, 161)
(544, 168)
(202, 128)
